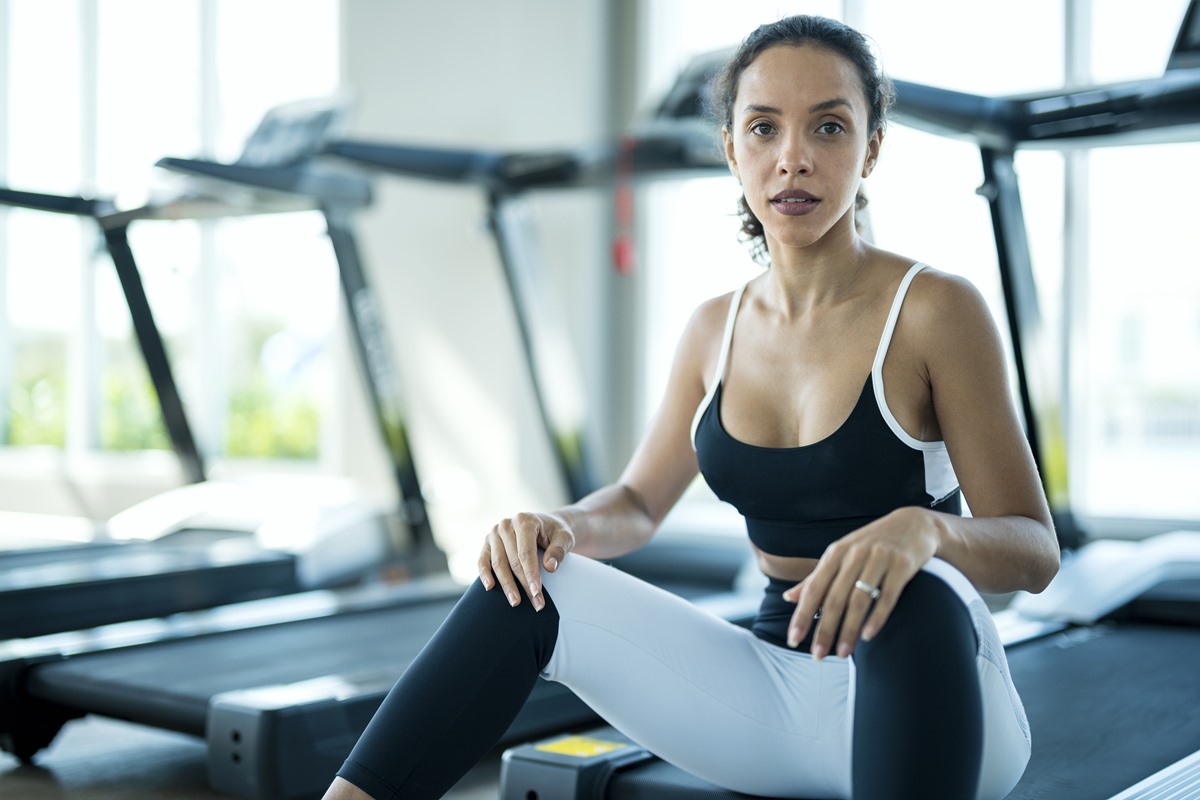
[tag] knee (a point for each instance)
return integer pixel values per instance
(929, 619)
(487, 618)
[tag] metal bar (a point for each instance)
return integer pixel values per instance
(116, 239)
(1002, 192)
(379, 375)
(570, 446)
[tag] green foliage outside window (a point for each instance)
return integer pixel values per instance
(130, 418)
(37, 411)
(263, 424)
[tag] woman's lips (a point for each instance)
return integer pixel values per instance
(796, 205)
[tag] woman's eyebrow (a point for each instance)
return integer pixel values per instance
(758, 109)
(824, 105)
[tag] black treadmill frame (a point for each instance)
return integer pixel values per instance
(337, 196)
(116, 241)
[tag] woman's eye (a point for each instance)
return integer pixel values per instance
(761, 128)
(831, 128)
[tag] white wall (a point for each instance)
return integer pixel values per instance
(517, 75)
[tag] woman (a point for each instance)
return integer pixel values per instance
(873, 669)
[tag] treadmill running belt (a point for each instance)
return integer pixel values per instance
(169, 684)
(1108, 705)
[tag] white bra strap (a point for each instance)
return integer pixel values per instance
(727, 338)
(877, 367)
(734, 303)
(890, 326)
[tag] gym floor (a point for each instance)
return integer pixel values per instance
(102, 759)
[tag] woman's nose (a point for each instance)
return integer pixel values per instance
(795, 158)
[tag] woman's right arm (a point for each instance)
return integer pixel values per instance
(622, 516)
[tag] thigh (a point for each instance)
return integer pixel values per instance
(1006, 735)
(951, 603)
(696, 690)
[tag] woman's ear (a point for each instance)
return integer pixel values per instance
(730, 159)
(873, 145)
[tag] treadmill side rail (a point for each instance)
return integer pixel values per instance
(1180, 780)
(27, 724)
(1104, 575)
(287, 742)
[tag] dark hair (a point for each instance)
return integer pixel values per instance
(796, 31)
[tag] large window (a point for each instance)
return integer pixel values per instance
(1138, 425)
(94, 94)
(1118, 294)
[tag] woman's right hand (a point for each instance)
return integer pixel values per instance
(510, 554)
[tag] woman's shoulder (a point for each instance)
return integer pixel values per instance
(935, 296)
(944, 312)
(710, 316)
(705, 328)
(943, 298)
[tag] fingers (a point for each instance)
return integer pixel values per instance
(889, 595)
(523, 532)
(843, 610)
(846, 606)
(801, 620)
(860, 596)
(812, 600)
(558, 545)
(495, 569)
(509, 557)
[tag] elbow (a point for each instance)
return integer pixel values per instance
(1047, 564)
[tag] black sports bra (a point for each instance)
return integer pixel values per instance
(798, 500)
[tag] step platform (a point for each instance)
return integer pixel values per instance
(598, 764)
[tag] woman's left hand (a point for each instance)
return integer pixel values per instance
(883, 556)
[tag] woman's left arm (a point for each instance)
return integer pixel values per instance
(1008, 543)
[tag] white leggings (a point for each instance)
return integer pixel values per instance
(717, 701)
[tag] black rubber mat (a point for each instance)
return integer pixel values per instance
(168, 684)
(1109, 705)
(91, 586)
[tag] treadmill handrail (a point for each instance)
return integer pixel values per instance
(74, 205)
(1102, 114)
(324, 186)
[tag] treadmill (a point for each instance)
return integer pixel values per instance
(279, 727)
(1105, 658)
(668, 144)
(206, 543)
(46, 587)
(336, 541)
(280, 688)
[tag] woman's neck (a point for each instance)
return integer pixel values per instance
(822, 274)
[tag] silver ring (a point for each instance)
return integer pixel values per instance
(868, 588)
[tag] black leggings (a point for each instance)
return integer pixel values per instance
(917, 722)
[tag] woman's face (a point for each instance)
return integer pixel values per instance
(799, 142)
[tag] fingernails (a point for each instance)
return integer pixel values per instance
(868, 633)
(843, 650)
(513, 599)
(818, 652)
(793, 638)
(487, 584)
(552, 564)
(538, 603)
(533, 589)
